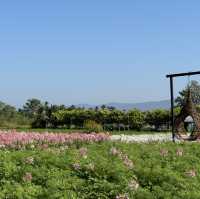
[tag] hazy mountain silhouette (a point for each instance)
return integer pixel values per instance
(164, 104)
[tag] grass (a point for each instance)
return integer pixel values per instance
(102, 170)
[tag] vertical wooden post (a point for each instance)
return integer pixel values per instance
(172, 107)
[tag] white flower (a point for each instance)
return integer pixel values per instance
(133, 185)
(2, 146)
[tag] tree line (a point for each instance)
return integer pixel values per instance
(38, 114)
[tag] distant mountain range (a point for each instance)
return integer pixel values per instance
(144, 106)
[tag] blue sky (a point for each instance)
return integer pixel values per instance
(96, 52)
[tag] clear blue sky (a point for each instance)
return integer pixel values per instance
(96, 52)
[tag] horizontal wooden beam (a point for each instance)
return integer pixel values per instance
(183, 74)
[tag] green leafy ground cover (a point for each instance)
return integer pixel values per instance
(102, 170)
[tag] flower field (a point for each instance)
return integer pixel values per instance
(13, 139)
(90, 166)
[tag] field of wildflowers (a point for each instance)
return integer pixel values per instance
(90, 166)
(14, 139)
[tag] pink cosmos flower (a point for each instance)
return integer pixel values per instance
(27, 177)
(128, 163)
(83, 152)
(179, 152)
(163, 152)
(13, 139)
(44, 146)
(76, 166)
(191, 173)
(133, 185)
(114, 151)
(29, 160)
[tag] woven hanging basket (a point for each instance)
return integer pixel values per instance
(179, 123)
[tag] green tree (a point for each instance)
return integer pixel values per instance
(44, 116)
(136, 119)
(103, 116)
(31, 107)
(7, 111)
(195, 94)
(54, 123)
(157, 117)
(41, 117)
(11, 118)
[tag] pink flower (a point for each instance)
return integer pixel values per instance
(122, 196)
(76, 166)
(29, 160)
(114, 151)
(133, 185)
(13, 139)
(83, 152)
(44, 146)
(163, 152)
(128, 163)
(191, 173)
(27, 177)
(179, 152)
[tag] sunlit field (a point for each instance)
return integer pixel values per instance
(51, 165)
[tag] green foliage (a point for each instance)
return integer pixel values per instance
(104, 116)
(92, 126)
(11, 118)
(157, 117)
(31, 108)
(195, 93)
(39, 114)
(158, 169)
(136, 119)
